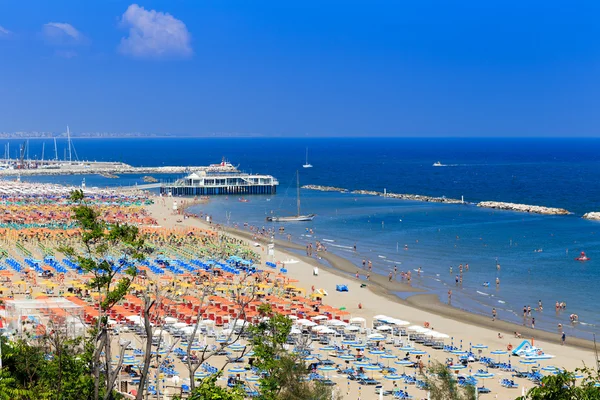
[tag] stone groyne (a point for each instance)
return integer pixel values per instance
(523, 208)
(401, 196)
(592, 216)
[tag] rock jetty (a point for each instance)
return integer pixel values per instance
(523, 208)
(325, 188)
(400, 196)
(592, 215)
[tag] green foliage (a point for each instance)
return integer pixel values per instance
(209, 390)
(48, 369)
(443, 386)
(563, 386)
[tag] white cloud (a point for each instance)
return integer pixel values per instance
(4, 32)
(154, 34)
(61, 33)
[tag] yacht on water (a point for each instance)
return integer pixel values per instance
(307, 165)
(293, 218)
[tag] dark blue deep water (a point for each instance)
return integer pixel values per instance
(552, 172)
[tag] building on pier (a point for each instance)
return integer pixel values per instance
(221, 182)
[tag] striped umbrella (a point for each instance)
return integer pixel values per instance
(388, 357)
(346, 357)
(479, 346)
(237, 369)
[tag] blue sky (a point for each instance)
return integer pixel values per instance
(318, 68)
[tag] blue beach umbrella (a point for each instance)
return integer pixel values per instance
(479, 346)
(404, 363)
(346, 357)
(252, 378)
(388, 357)
(418, 352)
(407, 348)
(236, 369)
(498, 352)
(394, 377)
(483, 376)
(456, 367)
(326, 368)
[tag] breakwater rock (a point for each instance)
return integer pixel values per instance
(400, 196)
(592, 215)
(325, 188)
(523, 208)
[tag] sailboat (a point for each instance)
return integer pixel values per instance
(307, 165)
(294, 218)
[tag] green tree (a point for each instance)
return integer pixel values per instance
(208, 389)
(98, 240)
(563, 386)
(443, 386)
(283, 373)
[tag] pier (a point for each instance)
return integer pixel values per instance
(208, 183)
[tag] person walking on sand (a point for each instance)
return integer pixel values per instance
(494, 314)
(390, 277)
(563, 339)
(533, 323)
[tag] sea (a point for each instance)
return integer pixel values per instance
(536, 253)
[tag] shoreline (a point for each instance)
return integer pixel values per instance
(418, 299)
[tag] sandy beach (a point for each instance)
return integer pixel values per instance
(420, 309)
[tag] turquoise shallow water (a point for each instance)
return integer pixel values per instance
(552, 172)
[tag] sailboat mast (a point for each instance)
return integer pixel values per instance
(69, 140)
(298, 190)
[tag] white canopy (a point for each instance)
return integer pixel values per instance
(306, 322)
(319, 318)
(352, 328)
(384, 328)
(170, 320)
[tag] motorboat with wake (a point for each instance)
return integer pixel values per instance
(438, 164)
(582, 257)
(293, 218)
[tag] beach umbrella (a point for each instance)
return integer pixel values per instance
(326, 368)
(237, 369)
(483, 376)
(377, 353)
(549, 368)
(252, 378)
(201, 375)
(404, 363)
(459, 352)
(498, 352)
(528, 363)
(456, 367)
(372, 368)
(346, 357)
(394, 377)
(388, 357)
(479, 346)
(418, 352)
(349, 342)
(407, 348)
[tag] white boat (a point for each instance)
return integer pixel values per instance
(307, 165)
(438, 164)
(293, 218)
